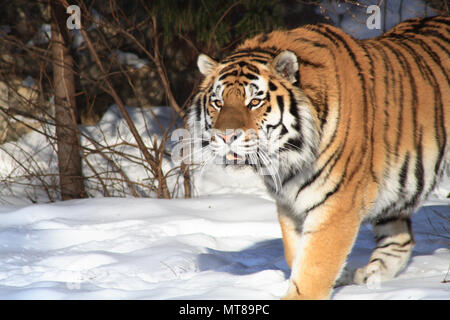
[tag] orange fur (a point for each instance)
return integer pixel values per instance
(290, 235)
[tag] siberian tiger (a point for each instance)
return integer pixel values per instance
(360, 130)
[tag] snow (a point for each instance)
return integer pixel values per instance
(217, 247)
(42, 36)
(130, 59)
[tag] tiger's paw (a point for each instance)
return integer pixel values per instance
(294, 293)
(369, 275)
(295, 296)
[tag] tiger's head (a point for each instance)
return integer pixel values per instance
(250, 112)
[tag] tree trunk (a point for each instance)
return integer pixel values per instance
(68, 143)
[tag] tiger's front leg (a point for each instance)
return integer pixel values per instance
(326, 239)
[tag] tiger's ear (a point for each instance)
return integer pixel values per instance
(206, 64)
(286, 65)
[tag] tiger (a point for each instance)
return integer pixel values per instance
(354, 131)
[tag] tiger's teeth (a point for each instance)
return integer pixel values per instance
(230, 156)
(233, 156)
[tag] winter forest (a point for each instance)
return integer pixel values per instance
(93, 204)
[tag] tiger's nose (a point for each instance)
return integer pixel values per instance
(229, 136)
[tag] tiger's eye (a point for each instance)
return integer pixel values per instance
(218, 103)
(254, 102)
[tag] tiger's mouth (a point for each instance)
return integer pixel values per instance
(235, 160)
(231, 156)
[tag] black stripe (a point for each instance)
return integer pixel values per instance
(311, 42)
(228, 74)
(338, 119)
(272, 86)
(280, 103)
(379, 260)
(205, 110)
(271, 127)
(296, 288)
(227, 68)
(379, 238)
(437, 34)
(291, 174)
(444, 20)
(259, 61)
(389, 94)
(325, 109)
(242, 64)
(310, 64)
(437, 43)
(401, 250)
(419, 171)
(389, 244)
(280, 122)
(252, 68)
(204, 101)
(293, 109)
(246, 55)
(308, 86)
(334, 190)
(339, 154)
(313, 178)
(259, 51)
(255, 53)
(380, 221)
(403, 175)
(390, 254)
(198, 110)
(250, 76)
(294, 144)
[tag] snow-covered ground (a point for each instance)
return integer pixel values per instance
(217, 247)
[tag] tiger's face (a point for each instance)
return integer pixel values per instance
(249, 112)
